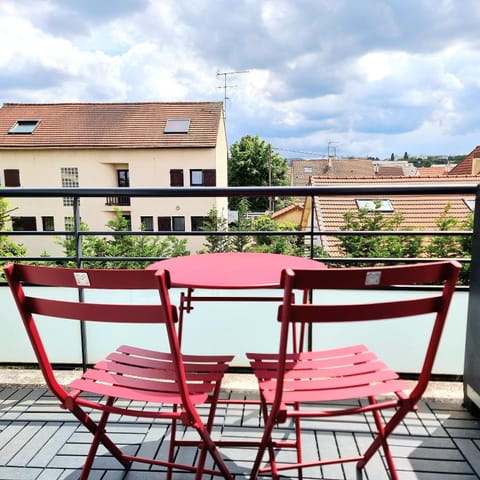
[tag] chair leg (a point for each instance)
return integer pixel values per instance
(99, 432)
(209, 427)
(171, 448)
(384, 430)
(298, 443)
(97, 437)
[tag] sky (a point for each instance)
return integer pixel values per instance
(346, 77)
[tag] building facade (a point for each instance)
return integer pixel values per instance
(113, 145)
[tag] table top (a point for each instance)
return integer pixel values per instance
(231, 270)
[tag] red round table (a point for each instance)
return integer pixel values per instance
(231, 270)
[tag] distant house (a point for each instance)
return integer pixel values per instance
(469, 166)
(148, 144)
(303, 170)
(434, 170)
(394, 168)
(291, 214)
(419, 212)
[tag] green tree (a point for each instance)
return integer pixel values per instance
(243, 224)
(216, 243)
(445, 246)
(254, 163)
(8, 248)
(377, 245)
(124, 246)
(285, 244)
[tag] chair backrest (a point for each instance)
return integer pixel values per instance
(32, 302)
(431, 300)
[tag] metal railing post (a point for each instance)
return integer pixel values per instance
(79, 262)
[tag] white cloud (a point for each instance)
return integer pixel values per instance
(368, 74)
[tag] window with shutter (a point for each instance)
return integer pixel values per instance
(24, 224)
(12, 177)
(164, 224)
(176, 178)
(209, 178)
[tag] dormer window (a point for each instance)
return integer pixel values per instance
(177, 125)
(375, 204)
(24, 126)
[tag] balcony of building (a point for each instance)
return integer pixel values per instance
(40, 441)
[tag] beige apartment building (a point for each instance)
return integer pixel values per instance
(112, 145)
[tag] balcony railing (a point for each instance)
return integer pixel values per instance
(116, 196)
(120, 201)
(457, 328)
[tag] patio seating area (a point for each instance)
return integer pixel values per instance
(38, 441)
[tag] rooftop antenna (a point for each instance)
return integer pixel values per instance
(225, 86)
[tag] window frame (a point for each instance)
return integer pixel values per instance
(194, 222)
(45, 221)
(24, 127)
(177, 126)
(386, 205)
(178, 223)
(146, 221)
(208, 177)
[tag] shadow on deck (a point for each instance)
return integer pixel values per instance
(39, 441)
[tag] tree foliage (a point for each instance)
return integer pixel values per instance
(377, 245)
(251, 242)
(124, 246)
(254, 163)
(405, 246)
(8, 248)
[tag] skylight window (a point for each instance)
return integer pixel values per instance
(177, 125)
(24, 126)
(375, 204)
(470, 203)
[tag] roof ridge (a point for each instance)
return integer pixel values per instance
(29, 104)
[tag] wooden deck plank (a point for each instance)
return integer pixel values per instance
(38, 441)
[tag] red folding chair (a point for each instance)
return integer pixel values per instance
(178, 382)
(299, 385)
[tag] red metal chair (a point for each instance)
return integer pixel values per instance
(130, 374)
(296, 385)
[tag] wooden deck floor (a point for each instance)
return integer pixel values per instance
(38, 441)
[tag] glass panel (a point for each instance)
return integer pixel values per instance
(196, 177)
(48, 224)
(377, 204)
(24, 126)
(147, 224)
(123, 178)
(178, 224)
(177, 125)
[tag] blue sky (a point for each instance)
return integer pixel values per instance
(368, 77)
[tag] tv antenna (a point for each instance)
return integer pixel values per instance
(225, 87)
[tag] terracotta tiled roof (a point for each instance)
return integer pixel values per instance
(466, 167)
(116, 125)
(384, 171)
(374, 180)
(302, 170)
(290, 208)
(419, 212)
(434, 170)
